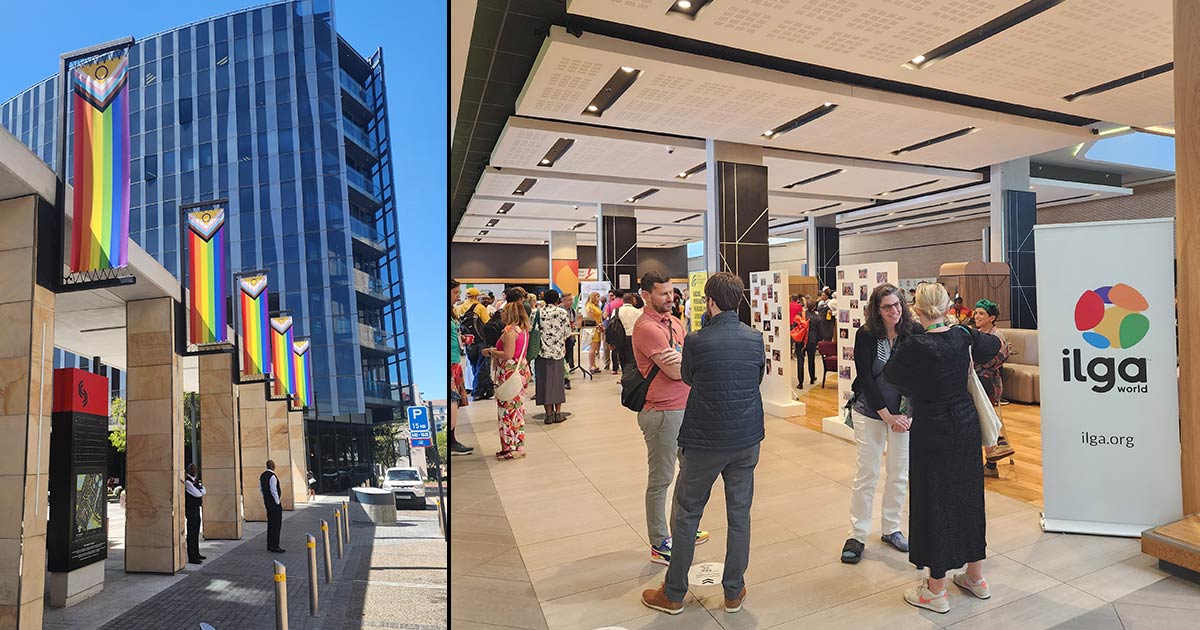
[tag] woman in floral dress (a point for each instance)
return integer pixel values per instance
(511, 374)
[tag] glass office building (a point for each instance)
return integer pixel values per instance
(270, 108)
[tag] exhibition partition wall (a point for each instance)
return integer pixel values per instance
(853, 290)
(769, 311)
(1110, 407)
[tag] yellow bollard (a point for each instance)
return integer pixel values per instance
(337, 517)
(281, 619)
(310, 543)
(328, 563)
(346, 511)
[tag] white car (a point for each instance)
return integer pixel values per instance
(406, 484)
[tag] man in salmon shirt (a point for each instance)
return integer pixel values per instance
(658, 340)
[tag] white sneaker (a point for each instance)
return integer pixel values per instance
(978, 589)
(922, 597)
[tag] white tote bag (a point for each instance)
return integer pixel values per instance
(989, 423)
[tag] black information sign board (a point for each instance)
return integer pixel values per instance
(78, 531)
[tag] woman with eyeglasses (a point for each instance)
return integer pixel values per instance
(878, 422)
(946, 516)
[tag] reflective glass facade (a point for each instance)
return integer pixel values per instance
(270, 108)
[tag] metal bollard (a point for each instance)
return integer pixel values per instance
(346, 511)
(441, 523)
(311, 544)
(281, 620)
(337, 516)
(328, 563)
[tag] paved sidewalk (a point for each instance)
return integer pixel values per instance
(391, 577)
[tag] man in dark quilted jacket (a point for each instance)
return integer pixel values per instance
(722, 427)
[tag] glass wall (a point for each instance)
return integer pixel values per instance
(249, 106)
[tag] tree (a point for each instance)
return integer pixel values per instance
(442, 444)
(116, 437)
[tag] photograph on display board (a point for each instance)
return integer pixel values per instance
(776, 331)
(770, 338)
(762, 281)
(844, 333)
(862, 292)
(757, 317)
(841, 275)
(755, 288)
(778, 313)
(775, 355)
(844, 372)
(844, 317)
(766, 326)
(779, 371)
(778, 279)
(848, 353)
(881, 277)
(768, 366)
(770, 292)
(848, 289)
(853, 303)
(862, 274)
(857, 323)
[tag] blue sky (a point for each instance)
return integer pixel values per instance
(413, 37)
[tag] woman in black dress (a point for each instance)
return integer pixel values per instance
(947, 525)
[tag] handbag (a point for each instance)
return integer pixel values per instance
(535, 337)
(512, 386)
(634, 386)
(989, 423)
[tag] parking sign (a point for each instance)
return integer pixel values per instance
(419, 435)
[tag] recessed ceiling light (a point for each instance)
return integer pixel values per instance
(815, 178)
(933, 141)
(575, 207)
(686, 8)
(642, 195)
(800, 120)
(684, 4)
(629, 200)
(692, 171)
(492, 222)
(556, 151)
(477, 239)
(524, 186)
(976, 35)
(682, 175)
(504, 208)
(612, 90)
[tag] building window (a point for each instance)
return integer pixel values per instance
(150, 167)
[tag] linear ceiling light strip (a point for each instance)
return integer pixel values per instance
(524, 186)
(1123, 81)
(687, 218)
(904, 188)
(621, 80)
(560, 147)
(692, 171)
(994, 27)
(800, 121)
(687, 8)
(932, 141)
(642, 195)
(815, 178)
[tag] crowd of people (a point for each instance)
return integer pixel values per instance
(699, 407)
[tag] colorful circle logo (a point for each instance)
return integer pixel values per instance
(1111, 317)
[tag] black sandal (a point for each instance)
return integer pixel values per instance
(852, 551)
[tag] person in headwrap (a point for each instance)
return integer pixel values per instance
(984, 316)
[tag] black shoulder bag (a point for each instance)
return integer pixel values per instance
(634, 386)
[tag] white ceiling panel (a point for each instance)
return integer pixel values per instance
(1065, 49)
(701, 97)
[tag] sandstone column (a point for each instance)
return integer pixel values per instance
(154, 526)
(26, 356)
(279, 449)
(299, 456)
(219, 442)
(252, 412)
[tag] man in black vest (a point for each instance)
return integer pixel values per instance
(193, 498)
(270, 491)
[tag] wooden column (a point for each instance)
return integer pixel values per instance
(299, 456)
(154, 527)
(252, 429)
(279, 449)
(1187, 239)
(26, 399)
(220, 448)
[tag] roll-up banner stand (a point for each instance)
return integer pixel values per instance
(1109, 377)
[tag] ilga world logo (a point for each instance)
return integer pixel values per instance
(1109, 318)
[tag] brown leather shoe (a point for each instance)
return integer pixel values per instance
(657, 599)
(734, 605)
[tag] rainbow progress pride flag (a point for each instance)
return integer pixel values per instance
(253, 327)
(100, 225)
(283, 385)
(208, 277)
(302, 373)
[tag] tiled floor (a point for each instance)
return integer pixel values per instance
(558, 540)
